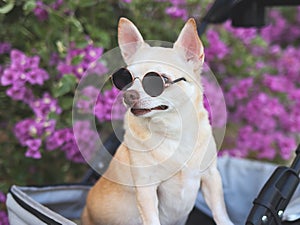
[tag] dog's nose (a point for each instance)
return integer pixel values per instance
(131, 97)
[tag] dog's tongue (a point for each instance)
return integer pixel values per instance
(140, 112)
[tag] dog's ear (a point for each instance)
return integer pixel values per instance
(189, 44)
(129, 38)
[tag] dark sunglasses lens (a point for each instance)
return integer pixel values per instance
(122, 79)
(153, 84)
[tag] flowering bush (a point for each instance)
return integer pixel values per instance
(47, 46)
(261, 88)
(45, 49)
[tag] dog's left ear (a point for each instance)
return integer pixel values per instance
(189, 44)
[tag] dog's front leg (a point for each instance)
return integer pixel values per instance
(147, 201)
(211, 187)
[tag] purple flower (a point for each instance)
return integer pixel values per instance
(30, 132)
(58, 139)
(257, 142)
(33, 148)
(177, 9)
(285, 144)
(2, 197)
(277, 30)
(42, 107)
(89, 97)
(213, 99)
(17, 92)
(291, 119)
(3, 214)
(239, 90)
(217, 48)
(57, 4)
(79, 60)
(109, 106)
(288, 64)
(277, 83)
(21, 71)
(49, 126)
(267, 153)
(37, 76)
(54, 59)
(73, 142)
(3, 218)
(262, 111)
(64, 68)
(246, 35)
(8, 77)
(27, 129)
(73, 145)
(87, 147)
(84, 106)
(92, 53)
(72, 152)
(240, 153)
(275, 50)
(294, 95)
(40, 11)
(19, 60)
(177, 12)
(4, 48)
(257, 50)
(100, 111)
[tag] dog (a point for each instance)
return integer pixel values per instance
(168, 151)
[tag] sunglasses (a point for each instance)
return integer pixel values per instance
(153, 83)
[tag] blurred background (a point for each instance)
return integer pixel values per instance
(47, 45)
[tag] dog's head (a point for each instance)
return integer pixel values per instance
(163, 79)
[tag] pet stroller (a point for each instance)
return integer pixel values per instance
(242, 179)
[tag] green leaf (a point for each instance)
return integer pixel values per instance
(66, 102)
(87, 3)
(103, 37)
(68, 119)
(53, 115)
(77, 59)
(29, 6)
(76, 23)
(65, 85)
(8, 7)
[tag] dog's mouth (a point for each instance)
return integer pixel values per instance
(143, 111)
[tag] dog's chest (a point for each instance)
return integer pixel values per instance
(177, 195)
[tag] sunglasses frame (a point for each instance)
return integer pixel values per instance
(162, 77)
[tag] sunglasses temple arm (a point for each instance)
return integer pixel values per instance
(179, 79)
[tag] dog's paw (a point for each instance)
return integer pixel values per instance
(226, 223)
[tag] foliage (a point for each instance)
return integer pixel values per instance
(45, 47)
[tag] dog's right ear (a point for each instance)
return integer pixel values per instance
(129, 38)
(190, 45)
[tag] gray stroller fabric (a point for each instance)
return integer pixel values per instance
(46, 205)
(242, 181)
(55, 205)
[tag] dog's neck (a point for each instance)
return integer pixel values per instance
(174, 125)
(142, 128)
